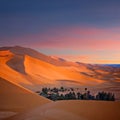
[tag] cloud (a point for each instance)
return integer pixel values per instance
(85, 44)
(81, 38)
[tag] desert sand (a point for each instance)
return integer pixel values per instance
(23, 71)
(15, 99)
(28, 69)
(33, 70)
(73, 110)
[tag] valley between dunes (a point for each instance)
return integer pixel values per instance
(24, 71)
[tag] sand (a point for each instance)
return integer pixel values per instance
(23, 70)
(31, 72)
(15, 99)
(73, 110)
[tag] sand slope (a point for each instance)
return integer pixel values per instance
(73, 110)
(38, 68)
(7, 72)
(16, 98)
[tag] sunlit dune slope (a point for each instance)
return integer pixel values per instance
(73, 110)
(55, 74)
(17, 98)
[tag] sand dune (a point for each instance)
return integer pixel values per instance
(73, 110)
(23, 68)
(18, 50)
(38, 68)
(16, 99)
(33, 70)
(7, 72)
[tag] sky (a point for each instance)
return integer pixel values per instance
(76, 30)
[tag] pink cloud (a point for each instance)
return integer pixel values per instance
(79, 38)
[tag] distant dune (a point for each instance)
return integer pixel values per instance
(73, 110)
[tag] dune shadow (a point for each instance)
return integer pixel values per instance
(17, 64)
(66, 80)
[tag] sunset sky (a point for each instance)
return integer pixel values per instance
(77, 30)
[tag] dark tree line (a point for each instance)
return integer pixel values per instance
(69, 94)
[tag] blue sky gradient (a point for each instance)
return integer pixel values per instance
(59, 27)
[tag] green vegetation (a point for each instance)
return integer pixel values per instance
(73, 94)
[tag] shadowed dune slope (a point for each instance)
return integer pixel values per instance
(17, 63)
(73, 110)
(16, 98)
(7, 72)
